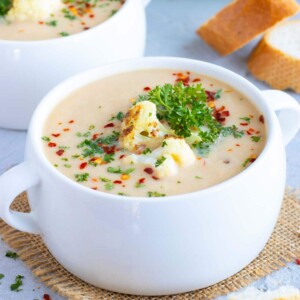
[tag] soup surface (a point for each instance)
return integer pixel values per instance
(73, 17)
(84, 136)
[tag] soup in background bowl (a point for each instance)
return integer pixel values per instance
(31, 67)
(153, 245)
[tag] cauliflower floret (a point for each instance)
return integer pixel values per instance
(23, 10)
(173, 153)
(141, 129)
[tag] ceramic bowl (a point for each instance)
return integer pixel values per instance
(29, 69)
(154, 246)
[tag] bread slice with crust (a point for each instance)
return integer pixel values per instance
(243, 20)
(276, 59)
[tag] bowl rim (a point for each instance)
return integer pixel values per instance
(99, 27)
(92, 75)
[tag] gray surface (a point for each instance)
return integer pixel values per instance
(171, 32)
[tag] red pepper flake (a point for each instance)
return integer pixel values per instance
(221, 108)
(117, 182)
(60, 152)
(148, 170)
(244, 124)
(221, 120)
(257, 132)
(51, 145)
(109, 149)
(83, 165)
(95, 136)
(155, 178)
(210, 95)
(91, 16)
(41, 22)
(249, 132)
(147, 89)
(94, 188)
(252, 160)
(261, 119)
(225, 113)
(142, 180)
(71, 121)
(109, 125)
(196, 80)
(66, 129)
(55, 134)
(86, 28)
(297, 261)
(46, 297)
(122, 156)
(238, 145)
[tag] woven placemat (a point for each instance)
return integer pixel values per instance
(283, 247)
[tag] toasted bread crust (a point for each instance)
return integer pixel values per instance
(278, 69)
(242, 20)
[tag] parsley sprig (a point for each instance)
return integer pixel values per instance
(5, 6)
(187, 113)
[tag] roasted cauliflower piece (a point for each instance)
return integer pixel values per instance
(166, 160)
(23, 10)
(141, 129)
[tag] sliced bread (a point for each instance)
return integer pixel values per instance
(276, 59)
(242, 20)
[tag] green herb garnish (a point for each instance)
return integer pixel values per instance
(187, 113)
(146, 151)
(109, 186)
(52, 23)
(46, 139)
(1, 276)
(119, 170)
(159, 161)
(164, 144)
(82, 177)
(15, 287)
(63, 33)
(155, 194)
(5, 6)
(218, 94)
(11, 254)
(120, 116)
(246, 119)
(255, 139)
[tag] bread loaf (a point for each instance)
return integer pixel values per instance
(276, 59)
(242, 20)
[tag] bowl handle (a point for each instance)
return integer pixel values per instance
(12, 183)
(288, 112)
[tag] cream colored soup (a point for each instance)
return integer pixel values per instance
(91, 113)
(73, 18)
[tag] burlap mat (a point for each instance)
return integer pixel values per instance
(283, 247)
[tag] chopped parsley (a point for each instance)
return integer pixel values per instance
(63, 33)
(46, 139)
(159, 161)
(187, 113)
(52, 23)
(146, 151)
(109, 186)
(120, 116)
(11, 254)
(5, 6)
(198, 177)
(1, 276)
(92, 127)
(246, 119)
(255, 139)
(82, 177)
(218, 94)
(164, 144)
(119, 170)
(122, 194)
(139, 185)
(155, 194)
(233, 130)
(67, 14)
(15, 287)
(109, 157)
(104, 179)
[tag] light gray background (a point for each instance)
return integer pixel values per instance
(171, 32)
